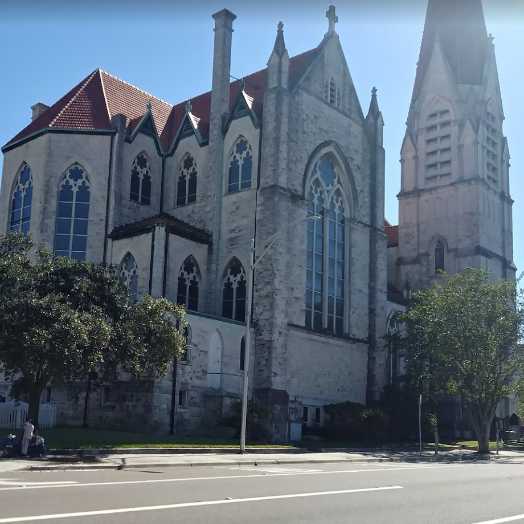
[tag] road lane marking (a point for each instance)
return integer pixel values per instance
(501, 521)
(17, 483)
(225, 477)
(32, 518)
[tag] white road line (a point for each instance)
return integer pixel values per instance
(191, 504)
(225, 477)
(17, 483)
(501, 521)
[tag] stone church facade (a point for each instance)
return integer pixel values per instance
(175, 196)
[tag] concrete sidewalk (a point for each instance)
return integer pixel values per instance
(123, 460)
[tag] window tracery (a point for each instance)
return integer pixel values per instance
(129, 275)
(187, 181)
(326, 246)
(234, 292)
(188, 284)
(72, 215)
(21, 202)
(141, 180)
(240, 166)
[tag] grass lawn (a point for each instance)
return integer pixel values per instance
(80, 438)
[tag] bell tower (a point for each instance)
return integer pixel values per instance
(454, 205)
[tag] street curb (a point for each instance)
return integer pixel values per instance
(262, 462)
(258, 462)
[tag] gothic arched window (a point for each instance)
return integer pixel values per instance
(240, 166)
(187, 181)
(188, 284)
(243, 354)
(129, 275)
(234, 291)
(440, 257)
(72, 214)
(21, 200)
(141, 180)
(326, 246)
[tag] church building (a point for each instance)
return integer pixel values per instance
(287, 160)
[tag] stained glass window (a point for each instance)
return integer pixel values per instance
(187, 181)
(72, 214)
(188, 283)
(21, 201)
(129, 275)
(240, 166)
(234, 292)
(326, 247)
(141, 180)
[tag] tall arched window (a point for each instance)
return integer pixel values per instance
(72, 214)
(21, 200)
(188, 284)
(240, 166)
(234, 291)
(326, 247)
(129, 275)
(187, 181)
(141, 180)
(440, 257)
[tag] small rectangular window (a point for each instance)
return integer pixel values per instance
(317, 415)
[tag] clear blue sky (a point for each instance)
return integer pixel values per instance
(165, 47)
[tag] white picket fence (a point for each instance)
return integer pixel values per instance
(14, 414)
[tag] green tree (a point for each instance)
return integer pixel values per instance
(61, 320)
(461, 339)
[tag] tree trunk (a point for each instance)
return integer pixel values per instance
(483, 436)
(34, 405)
(86, 401)
(435, 432)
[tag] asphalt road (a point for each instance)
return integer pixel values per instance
(335, 493)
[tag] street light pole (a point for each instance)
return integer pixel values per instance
(247, 345)
(247, 337)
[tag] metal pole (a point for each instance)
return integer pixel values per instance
(420, 423)
(247, 339)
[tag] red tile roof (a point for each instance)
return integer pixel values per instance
(392, 234)
(92, 103)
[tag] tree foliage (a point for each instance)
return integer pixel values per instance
(462, 339)
(61, 320)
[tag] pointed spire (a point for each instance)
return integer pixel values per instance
(332, 17)
(374, 110)
(280, 46)
(189, 106)
(460, 29)
(149, 106)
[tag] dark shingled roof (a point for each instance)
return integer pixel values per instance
(173, 225)
(461, 29)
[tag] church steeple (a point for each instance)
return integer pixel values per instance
(455, 199)
(460, 29)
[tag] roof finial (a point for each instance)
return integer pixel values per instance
(189, 106)
(332, 18)
(374, 110)
(149, 105)
(280, 46)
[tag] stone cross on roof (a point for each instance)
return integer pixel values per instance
(332, 18)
